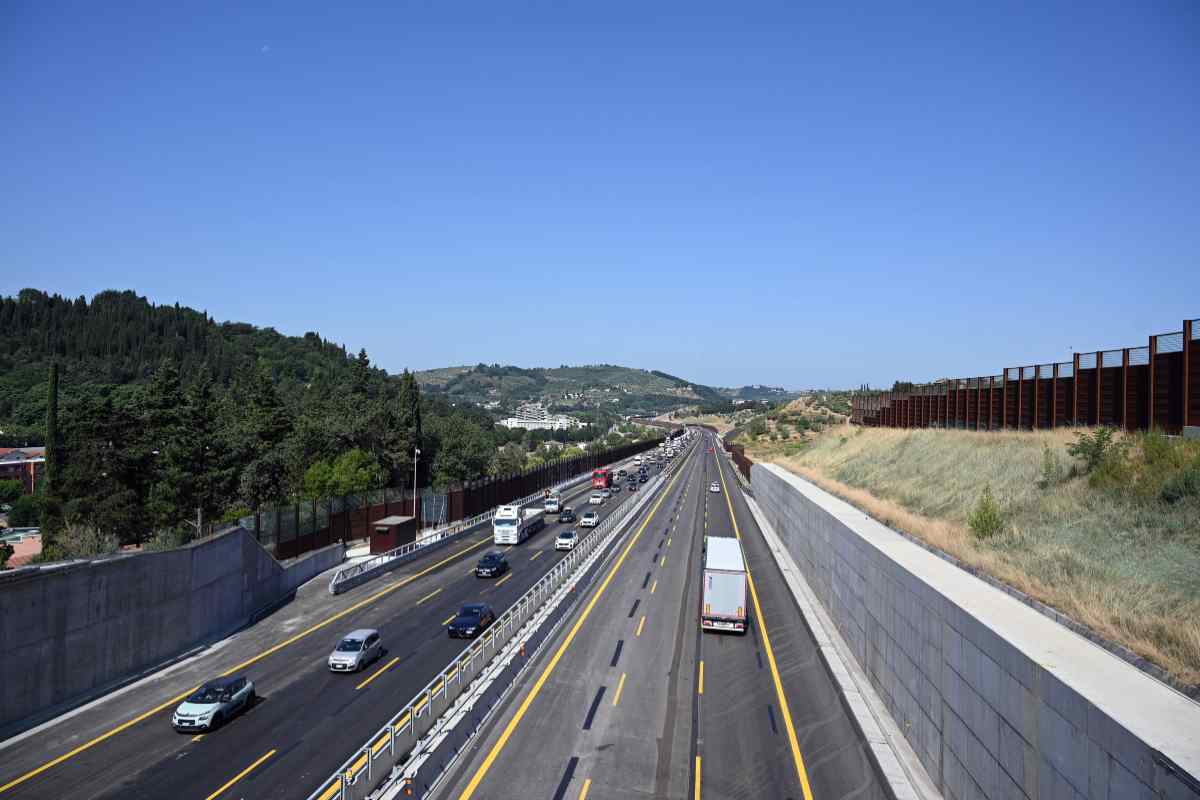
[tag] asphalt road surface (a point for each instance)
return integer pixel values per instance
(307, 720)
(631, 700)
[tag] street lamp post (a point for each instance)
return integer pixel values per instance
(416, 456)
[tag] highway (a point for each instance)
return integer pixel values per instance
(631, 700)
(307, 720)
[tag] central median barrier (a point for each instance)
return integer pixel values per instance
(422, 738)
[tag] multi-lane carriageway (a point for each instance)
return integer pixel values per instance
(307, 720)
(627, 700)
(633, 701)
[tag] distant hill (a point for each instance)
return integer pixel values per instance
(603, 387)
(759, 392)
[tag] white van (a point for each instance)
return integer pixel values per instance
(595, 499)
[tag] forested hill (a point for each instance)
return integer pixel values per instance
(119, 339)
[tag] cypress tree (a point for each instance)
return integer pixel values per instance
(52, 430)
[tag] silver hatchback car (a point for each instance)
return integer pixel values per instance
(358, 649)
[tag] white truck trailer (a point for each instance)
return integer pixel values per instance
(723, 591)
(513, 524)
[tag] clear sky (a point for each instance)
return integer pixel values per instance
(731, 192)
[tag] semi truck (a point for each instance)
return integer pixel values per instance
(513, 524)
(723, 589)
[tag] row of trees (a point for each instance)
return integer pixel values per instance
(176, 456)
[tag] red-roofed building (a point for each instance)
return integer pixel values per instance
(24, 464)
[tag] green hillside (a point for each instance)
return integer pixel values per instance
(594, 388)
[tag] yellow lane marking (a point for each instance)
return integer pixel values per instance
(662, 562)
(378, 672)
(331, 790)
(797, 759)
(536, 555)
(620, 688)
(587, 784)
(655, 586)
(502, 580)
(198, 737)
(668, 541)
(697, 793)
(700, 688)
(449, 619)
(434, 593)
(241, 774)
(641, 624)
(239, 667)
(494, 753)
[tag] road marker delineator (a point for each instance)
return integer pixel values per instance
(620, 688)
(240, 775)
(379, 672)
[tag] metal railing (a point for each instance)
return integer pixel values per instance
(390, 746)
(353, 575)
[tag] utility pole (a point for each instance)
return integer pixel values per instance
(416, 457)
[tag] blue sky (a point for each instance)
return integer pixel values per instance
(732, 192)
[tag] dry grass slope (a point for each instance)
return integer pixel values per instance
(1126, 565)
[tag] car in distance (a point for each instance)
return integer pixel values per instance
(714, 487)
(358, 649)
(595, 499)
(492, 565)
(212, 704)
(566, 515)
(616, 487)
(606, 493)
(633, 487)
(590, 520)
(643, 479)
(566, 540)
(472, 620)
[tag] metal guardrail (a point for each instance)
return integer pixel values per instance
(353, 575)
(390, 746)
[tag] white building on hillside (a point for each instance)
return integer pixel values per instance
(534, 417)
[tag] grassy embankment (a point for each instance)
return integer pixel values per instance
(1116, 547)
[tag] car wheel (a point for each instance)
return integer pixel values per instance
(218, 721)
(252, 699)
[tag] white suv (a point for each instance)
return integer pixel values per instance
(589, 520)
(595, 499)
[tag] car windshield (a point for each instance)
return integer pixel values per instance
(471, 612)
(349, 645)
(567, 535)
(205, 695)
(492, 559)
(506, 523)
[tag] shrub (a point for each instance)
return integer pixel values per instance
(26, 513)
(10, 491)
(1183, 484)
(986, 519)
(1092, 447)
(1052, 471)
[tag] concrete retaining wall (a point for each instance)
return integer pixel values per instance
(70, 633)
(998, 700)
